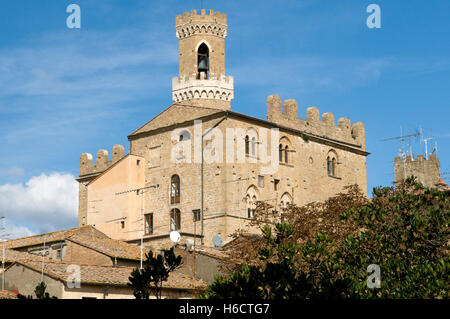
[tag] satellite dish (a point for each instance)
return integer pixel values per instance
(175, 236)
(189, 243)
(217, 241)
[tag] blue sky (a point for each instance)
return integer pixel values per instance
(66, 91)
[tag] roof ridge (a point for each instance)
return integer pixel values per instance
(49, 233)
(166, 109)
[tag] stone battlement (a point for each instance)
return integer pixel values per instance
(427, 171)
(102, 163)
(214, 23)
(418, 159)
(286, 114)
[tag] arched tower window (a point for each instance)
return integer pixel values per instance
(175, 189)
(203, 61)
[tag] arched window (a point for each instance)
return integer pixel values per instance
(280, 153)
(175, 189)
(286, 157)
(253, 146)
(247, 145)
(329, 165)
(175, 219)
(203, 61)
(285, 201)
(251, 201)
(185, 136)
(332, 162)
(333, 166)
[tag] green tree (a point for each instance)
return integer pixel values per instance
(323, 250)
(155, 271)
(40, 292)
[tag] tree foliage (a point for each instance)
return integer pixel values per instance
(323, 250)
(155, 271)
(40, 292)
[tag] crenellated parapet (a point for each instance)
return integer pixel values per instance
(286, 114)
(102, 162)
(214, 23)
(427, 171)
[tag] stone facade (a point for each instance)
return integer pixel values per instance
(281, 160)
(427, 171)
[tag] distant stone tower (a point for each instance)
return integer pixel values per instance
(427, 171)
(202, 80)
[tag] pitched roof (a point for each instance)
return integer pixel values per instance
(54, 236)
(212, 252)
(6, 294)
(441, 185)
(173, 114)
(13, 255)
(108, 275)
(111, 247)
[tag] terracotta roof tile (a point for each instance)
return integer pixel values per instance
(54, 236)
(95, 274)
(13, 255)
(110, 247)
(6, 294)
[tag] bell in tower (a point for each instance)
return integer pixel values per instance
(203, 62)
(202, 80)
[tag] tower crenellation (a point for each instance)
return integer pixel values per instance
(288, 116)
(426, 171)
(102, 162)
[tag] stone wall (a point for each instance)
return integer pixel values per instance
(78, 254)
(25, 280)
(427, 171)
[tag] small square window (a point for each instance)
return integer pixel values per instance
(59, 254)
(275, 184)
(197, 215)
(122, 224)
(260, 181)
(138, 162)
(148, 224)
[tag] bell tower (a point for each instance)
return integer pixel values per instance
(202, 80)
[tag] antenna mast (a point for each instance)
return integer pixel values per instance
(3, 237)
(402, 139)
(140, 191)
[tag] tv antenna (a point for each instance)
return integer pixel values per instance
(217, 241)
(425, 142)
(402, 138)
(3, 237)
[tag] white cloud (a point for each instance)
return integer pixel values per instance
(14, 231)
(44, 203)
